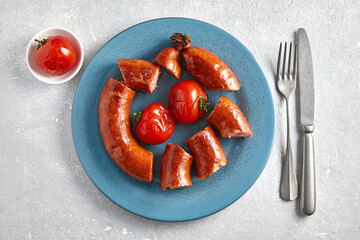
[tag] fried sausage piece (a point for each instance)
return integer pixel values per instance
(228, 119)
(170, 59)
(115, 129)
(208, 153)
(139, 74)
(175, 168)
(208, 69)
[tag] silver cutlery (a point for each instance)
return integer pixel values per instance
(286, 83)
(307, 104)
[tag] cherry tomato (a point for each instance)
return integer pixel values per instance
(155, 124)
(55, 55)
(187, 101)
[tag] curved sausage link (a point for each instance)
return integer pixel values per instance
(208, 69)
(208, 153)
(228, 119)
(115, 129)
(175, 168)
(170, 59)
(139, 74)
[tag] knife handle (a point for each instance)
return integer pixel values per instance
(308, 188)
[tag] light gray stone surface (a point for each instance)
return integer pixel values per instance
(46, 194)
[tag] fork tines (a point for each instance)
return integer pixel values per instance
(290, 72)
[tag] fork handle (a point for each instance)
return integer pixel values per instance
(308, 188)
(288, 184)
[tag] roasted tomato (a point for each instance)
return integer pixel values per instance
(155, 124)
(187, 101)
(55, 55)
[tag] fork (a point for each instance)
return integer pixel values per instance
(286, 83)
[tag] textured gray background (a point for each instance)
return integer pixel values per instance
(46, 194)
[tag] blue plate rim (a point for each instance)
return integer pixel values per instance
(272, 130)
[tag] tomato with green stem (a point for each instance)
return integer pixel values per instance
(155, 124)
(187, 101)
(55, 55)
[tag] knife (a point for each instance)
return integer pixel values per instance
(307, 105)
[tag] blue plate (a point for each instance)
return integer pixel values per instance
(246, 157)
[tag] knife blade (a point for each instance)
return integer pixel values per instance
(306, 80)
(307, 106)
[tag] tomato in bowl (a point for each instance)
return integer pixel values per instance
(60, 69)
